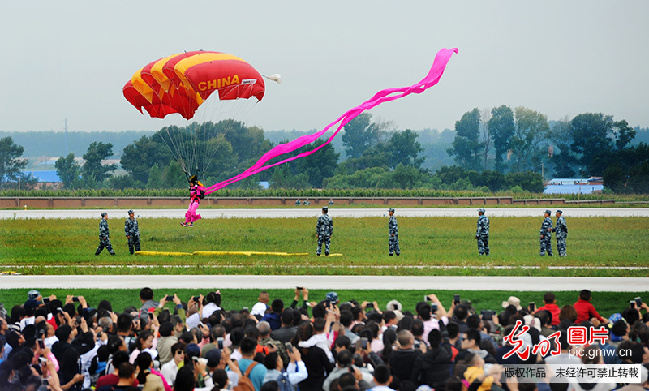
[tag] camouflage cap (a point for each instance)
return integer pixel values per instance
(481, 210)
(559, 211)
(325, 209)
(548, 211)
(103, 214)
(130, 211)
(391, 210)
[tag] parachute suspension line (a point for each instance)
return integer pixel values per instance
(174, 146)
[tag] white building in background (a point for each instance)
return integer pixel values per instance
(574, 185)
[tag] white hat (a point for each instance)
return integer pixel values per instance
(513, 300)
(396, 307)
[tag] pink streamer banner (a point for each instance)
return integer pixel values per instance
(387, 95)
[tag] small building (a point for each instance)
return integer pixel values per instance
(590, 185)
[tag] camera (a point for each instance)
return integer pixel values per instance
(426, 298)
(196, 298)
(200, 360)
(289, 347)
(433, 307)
(417, 345)
(370, 305)
(169, 297)
(75, 299)
(532, 306)
(487, 315)
(46, 300)
(638, 301)
(456, 299)
(219, 342)
(364, 343)
(299, 288)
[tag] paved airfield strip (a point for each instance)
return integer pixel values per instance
(428, 283)
(470, 211)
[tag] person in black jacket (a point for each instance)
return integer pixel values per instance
(402, 361)
(433, 367)
(315, 359)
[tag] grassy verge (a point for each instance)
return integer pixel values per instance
(430, 246)
(606, 303)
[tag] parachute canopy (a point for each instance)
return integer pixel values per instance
(180, 83)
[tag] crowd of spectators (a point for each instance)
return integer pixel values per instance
(324, 345)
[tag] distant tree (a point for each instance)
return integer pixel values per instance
(68, 171)
(373, 177)
(527, 180)
(121, 182)
(403, 148)
(139, 157)
(487, 139)
(563, 159)
(501, 128)
(408, 177)
(451, 174)
(466, 145)
(10, 162)
(377, 156)
(590, 133)
(174, 177)
(247, 143)
(282, 178)
(360, 135)
(156, 178)
(624, 134)
(616, 179)
(494, 180)
(319, 165)
(531, 130)
(93, 170)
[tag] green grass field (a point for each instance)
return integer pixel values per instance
(430, 246)
(606, 303)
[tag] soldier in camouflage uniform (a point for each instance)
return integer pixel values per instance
(104, 235)
(482, 233)
(393, 231)
(132, 232)
(546, 234)
(324, 228)
(562, 233)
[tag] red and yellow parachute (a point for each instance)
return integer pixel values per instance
(182, 82)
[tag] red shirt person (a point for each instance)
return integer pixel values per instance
(585, 310)
(550, 305)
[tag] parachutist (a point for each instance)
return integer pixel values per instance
(196, 194)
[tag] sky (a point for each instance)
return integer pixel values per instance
(70, 59)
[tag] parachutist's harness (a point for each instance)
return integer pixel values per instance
(196, 195)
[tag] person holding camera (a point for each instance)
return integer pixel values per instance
(431, 314)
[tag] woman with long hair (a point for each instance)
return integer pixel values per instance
(146, 340)
(148, 380)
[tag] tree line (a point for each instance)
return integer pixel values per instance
(501, 149)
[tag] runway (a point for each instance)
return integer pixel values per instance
(432, 284)
(300, 212)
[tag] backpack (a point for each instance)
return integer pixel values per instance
(284, 383)
(245, 384)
